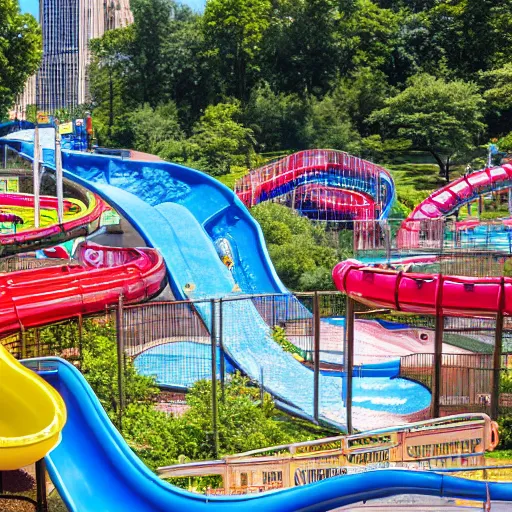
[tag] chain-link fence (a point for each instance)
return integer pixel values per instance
(180, 343)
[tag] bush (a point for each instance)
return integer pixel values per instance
(302, 253)
(505, 432)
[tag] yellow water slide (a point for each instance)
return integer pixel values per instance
(32, 415)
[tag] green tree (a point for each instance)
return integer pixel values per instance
(152, 24)
(277, 119)
(369, 36)
(233, 31)
(219, 137)
(443, 118)
(99, 365)
(109, 72)
(300, 251)
(20, 51)
(328, 125)
(153, 128)
(190, 78)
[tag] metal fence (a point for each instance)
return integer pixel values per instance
(182, 342)
(14, 263)
(389, 238)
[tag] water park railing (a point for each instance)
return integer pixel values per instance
(14, 263)
(393, 238)
(173, 342)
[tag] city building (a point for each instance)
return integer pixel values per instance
(68, 26)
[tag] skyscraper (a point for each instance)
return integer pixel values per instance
(68, 26)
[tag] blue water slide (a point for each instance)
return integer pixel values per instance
(183, 213)
(95, 470)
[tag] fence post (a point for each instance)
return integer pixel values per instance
(316, 341)
(213, 343)
(438, 349)
(262, 387)
(80, 338)
(221, 349)
(498, 344)
(348, 363)
(120, 358)
(23, 343)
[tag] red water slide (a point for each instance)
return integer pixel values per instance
(31, 298)
(424, 293)
(449, 198)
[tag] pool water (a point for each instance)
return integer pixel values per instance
(180, 364)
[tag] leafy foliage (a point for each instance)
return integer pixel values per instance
(441, 117)
(20, 51)
(244, 424)
(302, 253)
(99, 366)
(373, 77)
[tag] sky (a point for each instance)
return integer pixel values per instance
(32, 6)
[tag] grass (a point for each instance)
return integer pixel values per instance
(415, 182)
(467, 343)
(502, 455)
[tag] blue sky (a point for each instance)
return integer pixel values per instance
(32, 6)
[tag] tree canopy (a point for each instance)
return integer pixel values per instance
(282, 75)
(442, 117)
(20, 51)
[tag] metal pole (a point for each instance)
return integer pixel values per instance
(221, 349)
(213, 342)
(5, 157)
(42, 503)
(23, 343)
(120, 358)
(37, 158)
(510, 201)
(498, 344)
(262, 387)
(349, 359)
(80, 338)
(58, 177)
(316, 340)
(438, 349)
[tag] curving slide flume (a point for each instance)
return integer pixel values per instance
(94, 469)
(424, 293)
(18, 209)
(32, 415)
(37, 297)
(450, 198)
(185, 213)
(322, 184)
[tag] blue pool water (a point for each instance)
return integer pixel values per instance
(180, 364)
(340, 321)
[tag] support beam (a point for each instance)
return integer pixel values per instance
(316, 360)
(42, 503)
(348, 362)
(120, 358)
(213, 343)
(438, 350)
(35, 168)
(497, 354)
(221, 350)
(58, 177)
